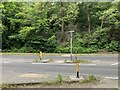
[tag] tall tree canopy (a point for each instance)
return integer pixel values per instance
(35, 26)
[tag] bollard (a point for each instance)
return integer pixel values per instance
(77, 66)
(77, 69)
(40, 55)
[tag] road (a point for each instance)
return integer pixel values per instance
(21, 69)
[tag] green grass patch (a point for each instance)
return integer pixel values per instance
(36, 60)
(81, 61)
(90, 78)
(8, 86)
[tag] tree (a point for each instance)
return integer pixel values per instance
(63, 14)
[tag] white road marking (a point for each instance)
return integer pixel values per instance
(5, 62)
(66, 55)
(96, 61)
(8, 61)
(64, 64)
(114, 64)
(32, 75)
(111, 77)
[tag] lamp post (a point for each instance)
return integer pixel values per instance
(71, 43)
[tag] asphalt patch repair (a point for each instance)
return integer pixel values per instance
(35, 75)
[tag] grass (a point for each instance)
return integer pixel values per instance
(90, 78)
(8, 86)
(57, 81)
(59, 78)
(36, 60)
(81, 61)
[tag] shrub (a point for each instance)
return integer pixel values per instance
(62, 50)
(26, 49)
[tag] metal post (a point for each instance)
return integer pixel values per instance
(71, 43)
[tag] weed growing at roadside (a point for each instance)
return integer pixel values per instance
(90, 78)
(59, 78)
(81, 61)
(36, 60)
(8, 86)
(50, 60)
(65, 61)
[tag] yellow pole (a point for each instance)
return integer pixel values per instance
(77, 69)
(40, 55)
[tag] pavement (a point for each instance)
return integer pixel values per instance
(22, 69)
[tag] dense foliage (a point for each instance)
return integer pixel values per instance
(35, 26)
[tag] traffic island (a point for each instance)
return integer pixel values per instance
(79, 61)
(43, 61)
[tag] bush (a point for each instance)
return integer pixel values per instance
(62, 49)
(50, 44)
(114, 45)
(26, 50)
(13, 49)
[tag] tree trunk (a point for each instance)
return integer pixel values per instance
(62, 26)
(102, 23)
(62, 15)
(88, 17)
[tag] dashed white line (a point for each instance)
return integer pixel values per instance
(96, 61)
(6, 62)
(66, 55)
(114, 64)
(64, 64)
(112, 78)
